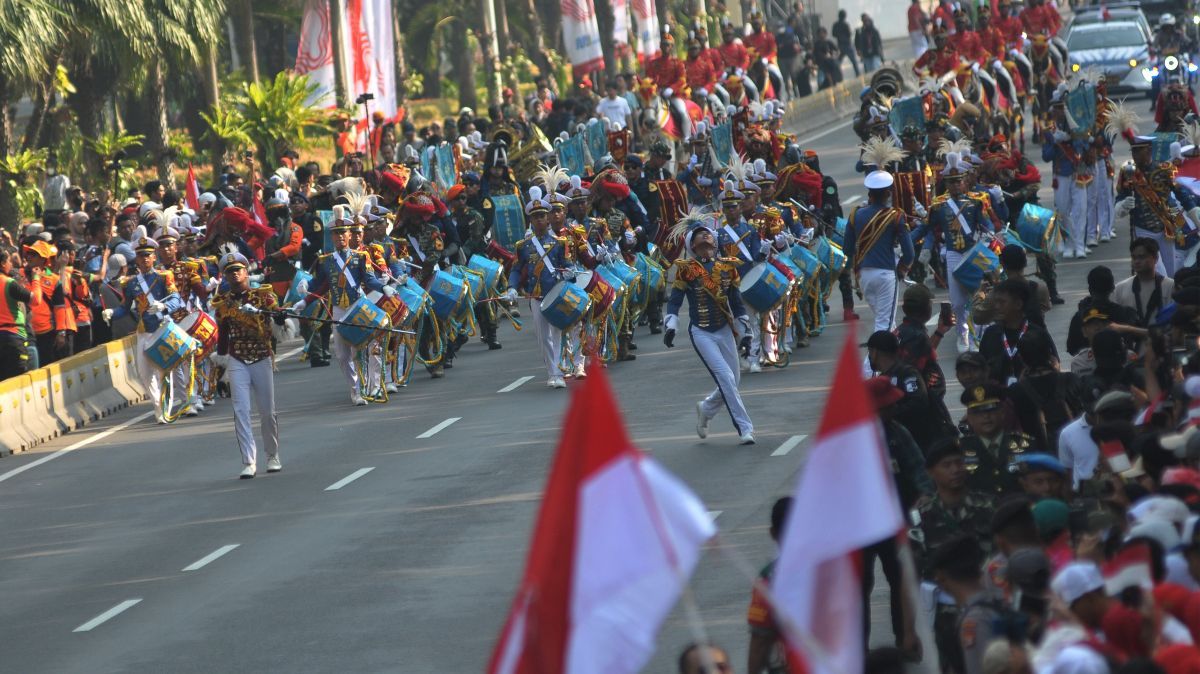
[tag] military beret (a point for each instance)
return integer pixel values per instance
(960, 551)
(941, 449)
(1013, 511)
(1034, 462)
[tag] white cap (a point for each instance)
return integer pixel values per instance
(1075, 580)
(1161, 531)
(207, 198)
(1164, 508)
(878, 180)
(147, 207)
(1078, 660)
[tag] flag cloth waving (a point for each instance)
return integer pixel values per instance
(615, 541)
(192, 191)
(845, 501)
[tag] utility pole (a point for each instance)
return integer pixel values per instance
(337, 31)
(491, 52)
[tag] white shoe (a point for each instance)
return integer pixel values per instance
(550, 382)
(199, 405)
(273, 464)
(580, 372)
(248, 472)
(746, 438)
(559, 382)
(745, 364)
(964, 342)
(160, 419)
(755, 366)
(701, 421)
(391, 388)
(357, 400)
(787, 347)
(191, 411)
(1105, 238)
(1068, 254)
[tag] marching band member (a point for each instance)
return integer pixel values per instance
(541, 259)
(957, 218)
(1072, 173)
(739, 241)
(150, 298)
(244, 329)
(192, 292)
(710, 284)
(872, 233)
(342, 275)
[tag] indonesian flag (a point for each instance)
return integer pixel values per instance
(816, 583)
(1128, 568)
(616, 539)
(192, 191)
(645, 14)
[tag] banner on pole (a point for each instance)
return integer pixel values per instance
(571, 155)
(620, 31)
(645, 15)
(581, 35)
(444, 166)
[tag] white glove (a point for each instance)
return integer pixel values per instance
(156, 307)
(703, 181)
(212, 285)
(668, 92)
(249, 309)
(389, 291)
(996, 64)
(402, 280)
(744, 320)
(630, 237)
(298, 307)
(924, 256)
(1060, 136)
(781, 241)
(107, 315)
(671, 322)
(511, 295)
(764, 244)
(692, 161)
(302, 287)
(1124, 206)
(920, 210)
(529, 234)
(1194, 217)
(996, 194)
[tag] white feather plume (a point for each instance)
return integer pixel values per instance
(960, 147)
(1122, 119)
(1191, 132)
(881, 152)
(739, 168)
(696, 216)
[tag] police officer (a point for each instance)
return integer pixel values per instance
(957, 570)
(988, 448)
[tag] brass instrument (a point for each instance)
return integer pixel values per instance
(523, 159)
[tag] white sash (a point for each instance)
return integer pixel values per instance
(416, 247)
(741, 246)
(545, 258)
(345, 270)
(145, 287)
(958, 214)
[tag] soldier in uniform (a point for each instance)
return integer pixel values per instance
(189, 276)
(150, 298)
(1073, 161)
(1144, 193)
(710, 284)
(957, 569)
(244, 326)
(541, 262)
(669, 74)
(953, 510)
(344, 275)
(425, 246)
(472, 231)
(622, 238)
(989, 449)
(315, 335)
(282, 249)
(872, 234)
(958, 219)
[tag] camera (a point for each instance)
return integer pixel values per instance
(363, 98)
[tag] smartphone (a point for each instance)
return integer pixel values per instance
(946, 313)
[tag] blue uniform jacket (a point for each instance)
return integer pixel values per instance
(704, 312)
(137, 301)
(882, 255)
(530, 274)
(329, 277)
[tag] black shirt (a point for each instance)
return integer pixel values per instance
(998, 346)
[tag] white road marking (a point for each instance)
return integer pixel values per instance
(349, 478)
(439, 428)
(714, 514)
(852, 199)
(515, 385)
(826, 132)
(78, 445)
(107, 615)
(289, 354)
(788, 445)
(211, 557)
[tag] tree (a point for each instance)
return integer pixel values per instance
(277, 114)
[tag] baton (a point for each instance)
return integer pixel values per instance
(813, 213)
(288, 314)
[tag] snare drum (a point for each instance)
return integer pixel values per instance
(565, 305)
(394, 307)
(807, 261)
(831, 255)
(169, 345)
(364, 319)
(448, 293)
(473, 278)
(763, 287)
(976, 262)
(202, 328)
(293, 294)
(414, 298)
(599, 291)
(488, 268)
(1037, 227)
(613, 280)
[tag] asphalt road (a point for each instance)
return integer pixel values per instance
(107, 552)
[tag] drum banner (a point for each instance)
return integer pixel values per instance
(508, 223)
(673, 205)
(444, 167)
(571, 155)
(722, 142)
(597, 140)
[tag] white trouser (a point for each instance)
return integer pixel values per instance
(719, 353)
(959, 295)
(1070, 206)
(549, 339)
(254, 382)
(681, 116)
(1166, 251)
(1100, 203)
(374, 384)
(343, 352)
(755, 334)
(149, 373)
(920, 44)
(575, 345)
(879, 287)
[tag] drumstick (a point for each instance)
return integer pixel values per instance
(288, 314)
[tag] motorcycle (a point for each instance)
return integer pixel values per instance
(1169, 67)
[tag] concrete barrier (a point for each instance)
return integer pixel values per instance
(835, 103)
(42, 404)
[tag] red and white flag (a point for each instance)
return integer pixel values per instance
(581, 35)
(1128, 568)
(620, 29)
(645, 15)
(616, 539)
(191, 191)
(845, 501)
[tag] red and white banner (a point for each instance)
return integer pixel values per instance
(620, 32)
(581, 35)
(645, 15)
(191, 191)
(816, 585)
(368, 52)
(616, 539)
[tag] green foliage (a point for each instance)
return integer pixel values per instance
(414, 84)
(517, 68)
(562, 69)
(121, 173)
(20, 173)
(29, 31)
(228, 127)
(181, 146)
(277, 114)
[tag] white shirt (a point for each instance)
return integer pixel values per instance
(614, 109)
(1123, 293)
(1077, 451)
(54, 192)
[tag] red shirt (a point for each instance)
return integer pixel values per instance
(763, 44)
(666, 71)
(916, 18)
(714, 57)
(1040, 20)
(700, 73)
(993, 41)
(938, 61)
(734, 55)
(1011, 28)
(968, 44)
